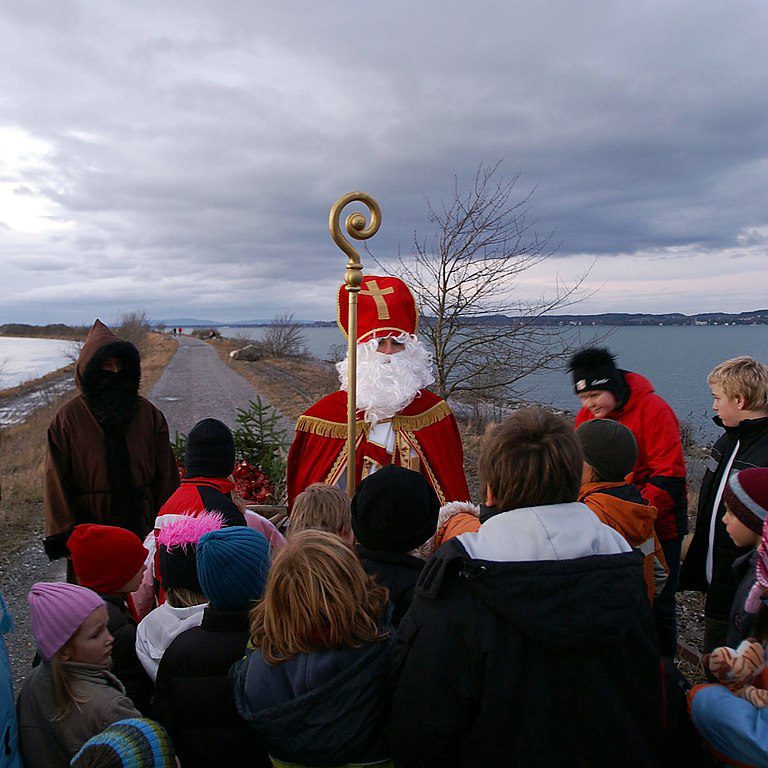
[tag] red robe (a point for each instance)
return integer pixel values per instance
(426, 426)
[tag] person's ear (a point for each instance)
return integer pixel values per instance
(64, 653)
(490, 497)
(740, 401)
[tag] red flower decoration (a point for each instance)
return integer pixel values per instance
(251, 483)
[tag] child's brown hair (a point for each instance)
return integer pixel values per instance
(321, 507)
(531, 459)
(317, 596)
(745, 377)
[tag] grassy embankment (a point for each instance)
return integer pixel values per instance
(22, 452)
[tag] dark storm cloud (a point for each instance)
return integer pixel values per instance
(190, 152)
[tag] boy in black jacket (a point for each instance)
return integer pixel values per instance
(740, 392)
(194, 699)
(394, 511)
(530, 642)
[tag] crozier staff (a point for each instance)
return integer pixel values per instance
(398, 421)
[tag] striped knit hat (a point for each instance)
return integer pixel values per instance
(134, 743)
(746, 495)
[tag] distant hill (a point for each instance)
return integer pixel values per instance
(754, 317)
(192, 322)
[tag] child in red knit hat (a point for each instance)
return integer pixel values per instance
(111, 561)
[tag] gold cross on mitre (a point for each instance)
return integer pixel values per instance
(378, 296)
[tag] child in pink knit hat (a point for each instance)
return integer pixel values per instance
(71, 696)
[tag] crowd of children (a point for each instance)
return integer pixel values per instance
(387, 631)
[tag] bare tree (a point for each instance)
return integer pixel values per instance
(284, 338)
(465, 277)
(134, 327)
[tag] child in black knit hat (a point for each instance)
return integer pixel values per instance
(394, 511)
(610, 453)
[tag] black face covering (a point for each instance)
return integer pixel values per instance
(113, 400)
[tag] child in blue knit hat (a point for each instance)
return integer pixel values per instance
(193, 699)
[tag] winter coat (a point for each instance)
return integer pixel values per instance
(194, 700)
(529, 643)
(9, 730)
(77, 488)
(47, 742)
(157, 630)
(125, 664)
(741, 621)
(659, 470)
(397, 571)
(621, 506)
(733, 727)
(752, 437)
(204, 494)
(325, 708)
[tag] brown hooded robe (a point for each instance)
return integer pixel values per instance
(76, 474)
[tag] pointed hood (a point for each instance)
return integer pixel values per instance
(101, 344)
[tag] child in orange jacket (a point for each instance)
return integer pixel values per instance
(610, 452)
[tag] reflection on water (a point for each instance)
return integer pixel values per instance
(676, 359)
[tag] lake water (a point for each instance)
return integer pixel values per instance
(676, 359)
(24, 359)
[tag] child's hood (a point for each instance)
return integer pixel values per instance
(320, 696)
(558, 574)
(633, 519)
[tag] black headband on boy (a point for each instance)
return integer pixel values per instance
(595, 369)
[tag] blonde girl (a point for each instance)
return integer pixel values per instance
(317, 686)
(71, 696)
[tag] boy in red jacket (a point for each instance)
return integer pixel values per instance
(607, 392)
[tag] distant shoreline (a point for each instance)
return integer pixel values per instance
(609, 319)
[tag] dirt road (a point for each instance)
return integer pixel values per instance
(195, 385)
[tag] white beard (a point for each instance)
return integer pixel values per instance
(388, 383)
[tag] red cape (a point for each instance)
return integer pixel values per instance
(427, 425)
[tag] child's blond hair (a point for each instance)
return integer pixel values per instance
(321, 507)
(745, 377)
(317, 596)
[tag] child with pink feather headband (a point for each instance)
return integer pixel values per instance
(184, 599)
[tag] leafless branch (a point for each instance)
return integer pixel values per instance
(465, 275)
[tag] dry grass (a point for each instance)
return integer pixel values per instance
(22, 456)
(290, 384)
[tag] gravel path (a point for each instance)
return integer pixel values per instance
(196, 384)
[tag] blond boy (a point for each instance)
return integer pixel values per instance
(322, 507)
(740, 400)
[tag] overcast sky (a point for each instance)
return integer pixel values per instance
(181, 157)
